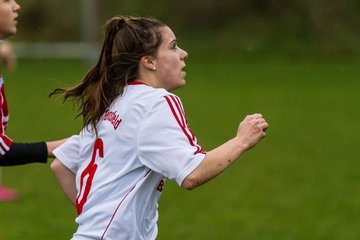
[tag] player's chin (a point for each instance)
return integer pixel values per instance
(8, 33)
(182, 78)
(13, 31)
(182, 82)
(178, 84)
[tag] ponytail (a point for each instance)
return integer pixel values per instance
(127, 39)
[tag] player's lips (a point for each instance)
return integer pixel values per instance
(184, 73)
(182, 70)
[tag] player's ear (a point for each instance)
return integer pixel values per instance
(148, 62)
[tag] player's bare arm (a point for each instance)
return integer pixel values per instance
(66, 179)
(251, 130)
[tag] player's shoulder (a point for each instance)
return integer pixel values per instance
(148, 94)
(161, 93)
(161, 96)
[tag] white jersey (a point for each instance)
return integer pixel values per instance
(143, 139)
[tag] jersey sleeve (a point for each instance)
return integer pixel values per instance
(165, 142)
(68, 153)
(5, 144)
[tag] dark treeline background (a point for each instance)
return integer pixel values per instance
(250, 25)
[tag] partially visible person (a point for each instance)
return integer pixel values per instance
(7, 56)
(135, 134)
(14, 153)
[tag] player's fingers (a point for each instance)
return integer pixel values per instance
(264, 126)
(256, 115)
(253, 116)
(258, 122)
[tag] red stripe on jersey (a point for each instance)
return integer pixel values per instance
(4, 105)
(175, 104)
(178, 105)
(178, 116)
(185, 124)
(179, 110)
(2, 97)
(5, 141)
(117, 208)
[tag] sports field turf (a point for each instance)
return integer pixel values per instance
(301, 182)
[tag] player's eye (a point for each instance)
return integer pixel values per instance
(173, 45)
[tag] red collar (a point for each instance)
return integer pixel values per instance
(136, 83)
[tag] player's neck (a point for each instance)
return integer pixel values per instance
(1, 43)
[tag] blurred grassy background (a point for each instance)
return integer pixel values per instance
(258, 25)
(301, 182)
(297, 62)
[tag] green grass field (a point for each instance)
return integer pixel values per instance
(301, 182)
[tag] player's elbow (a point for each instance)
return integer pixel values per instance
(190, 183)
(55, 165)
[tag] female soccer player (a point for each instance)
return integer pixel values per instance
(136, 135)
(14, 153)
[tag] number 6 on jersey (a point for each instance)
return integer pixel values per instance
(87, 176)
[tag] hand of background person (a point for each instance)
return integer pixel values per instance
(51, 145)
(7, 56)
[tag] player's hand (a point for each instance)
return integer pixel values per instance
(251, 130)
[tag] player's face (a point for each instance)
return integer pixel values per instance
(170, 62)
(9, 11)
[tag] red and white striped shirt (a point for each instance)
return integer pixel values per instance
(142, 140)
(5, 141)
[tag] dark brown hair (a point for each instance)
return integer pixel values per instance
(127, 40)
